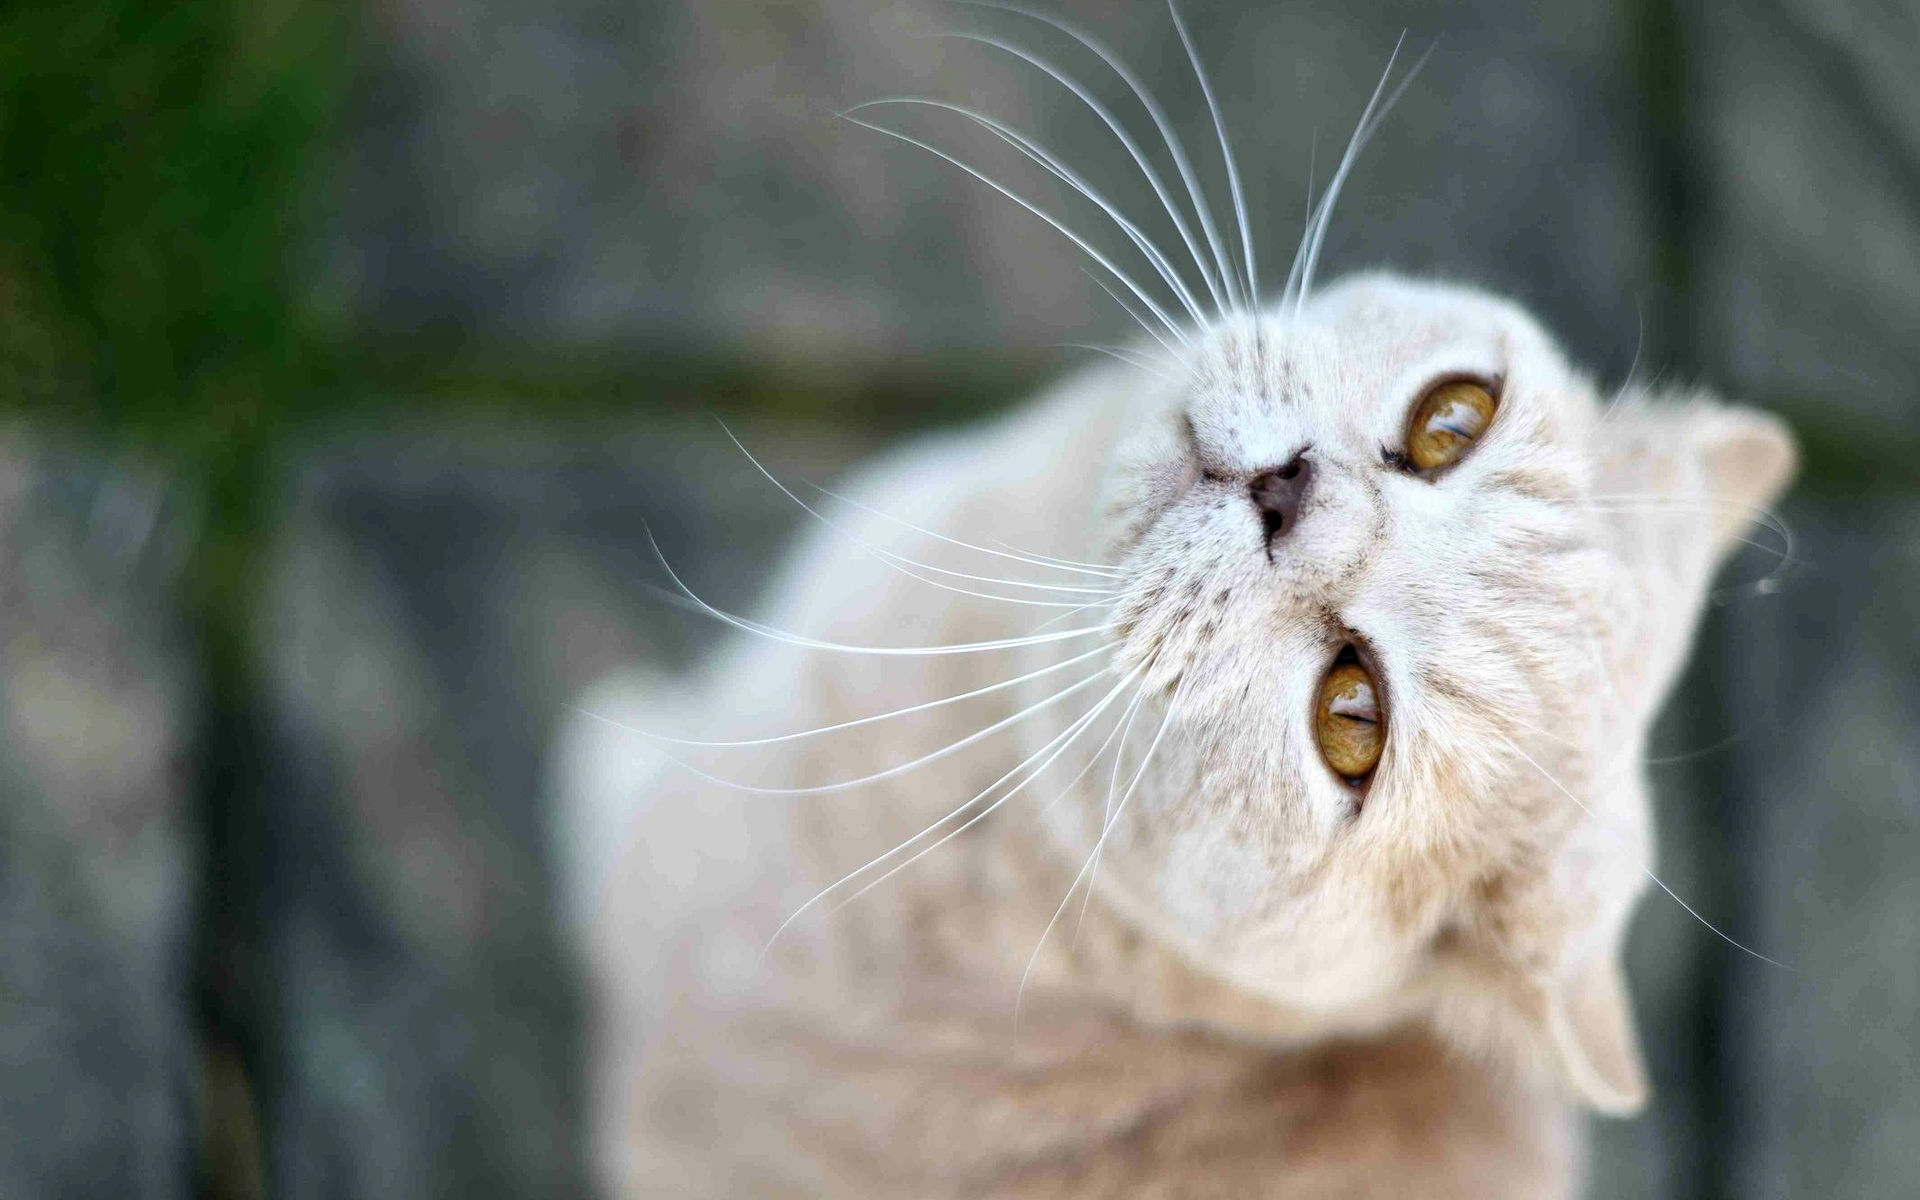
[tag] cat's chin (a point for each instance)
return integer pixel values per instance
(1169, 991)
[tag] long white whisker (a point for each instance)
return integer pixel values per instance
(1106, 829)
(1250, 288)
(1174, 145)
(1063, 616)
(1061, 562)
(954, 747)
(1087, 248)
(902, 563)
(1639, 344)
(1647, 871)
(1106, 812)
(1306, 228)
(1130, 311)
(1126, 356)
(1040, 154)
(1786, 557)
(1323, 215)
(807, 643)
(1010, 552)
(1062, 740)
(1119, 130)
(1664, 760)
(1362, 133)
(853, 724)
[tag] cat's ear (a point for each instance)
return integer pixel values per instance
(1747, 458)
(1685, 460)
(1590, 1029)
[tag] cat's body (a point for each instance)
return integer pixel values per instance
(1282, 984)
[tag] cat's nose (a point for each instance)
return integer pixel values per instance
(1278, 495)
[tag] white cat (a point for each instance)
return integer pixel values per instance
(1220, 777)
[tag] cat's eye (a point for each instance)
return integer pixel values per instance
(1348, 720)
(1447, 422)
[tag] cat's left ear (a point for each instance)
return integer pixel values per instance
(1590, 1028)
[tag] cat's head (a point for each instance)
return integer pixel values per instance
(1412, 593)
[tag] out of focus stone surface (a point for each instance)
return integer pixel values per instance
(1823, 1087)
(666, 174)
(439, 600)
(98, 1066)
(1808, 217)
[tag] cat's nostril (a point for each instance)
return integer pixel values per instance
(1278, 494)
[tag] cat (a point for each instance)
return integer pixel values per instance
(1220, 777)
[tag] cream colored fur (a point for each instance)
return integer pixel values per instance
(1275, 988)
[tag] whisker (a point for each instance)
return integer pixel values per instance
(954, 747)
(807, 643)
(1125, 356)
(1106, 811)
(1106, 829)
(1010, 552)
(1085, 247)
(1055, 620)
(853, 724)
(1621, 397)
(1647, 871)
(1362, 133)
(1639, 344)
(895, 559)
(1306, 227)
(1061, 562)
(1071, 735)
(1062, 740)
(1122, 302)
(1250, 288)
(1786, 559)
(1172, 140)
(901, 562)
(1732, 739)
(1039, 154)
(1119, 130)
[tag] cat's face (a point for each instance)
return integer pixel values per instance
(1464, 799)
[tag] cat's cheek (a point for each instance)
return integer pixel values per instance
(1210, 881)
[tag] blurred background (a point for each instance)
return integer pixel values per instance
(345, 347)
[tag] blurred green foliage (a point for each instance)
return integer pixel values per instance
(158, 163)
(156, 160)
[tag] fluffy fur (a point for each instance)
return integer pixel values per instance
(1183, 959)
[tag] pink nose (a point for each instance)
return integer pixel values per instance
(1278, 495)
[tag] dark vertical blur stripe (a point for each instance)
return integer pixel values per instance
(155, 158)
(1657, 54)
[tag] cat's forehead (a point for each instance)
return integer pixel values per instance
(1344, 364)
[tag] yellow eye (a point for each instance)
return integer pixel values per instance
(1348, 721)
(1448, 420)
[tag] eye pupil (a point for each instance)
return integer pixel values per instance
(1447, 421)
(1348, 721)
